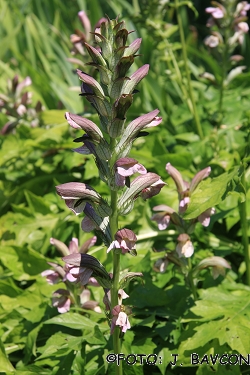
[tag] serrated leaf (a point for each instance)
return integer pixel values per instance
(221, 314)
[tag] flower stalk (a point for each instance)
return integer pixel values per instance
(244, 229)
(110, 142)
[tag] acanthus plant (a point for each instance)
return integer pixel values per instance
(110, 143)
(184, 248)
(228, 26)
(16, 104)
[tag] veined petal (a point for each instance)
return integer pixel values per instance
(163, 207)
(134, 128)
(143, 121)
(78, 122)
(75, 205)
(77, 190)
(90, 81)
(137, 185)
(135, 78)
(133, 47)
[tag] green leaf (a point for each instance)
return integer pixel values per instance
(144, 345)
(5, 363)
(72, 320)
(209, 193)
(221, 314)
(24, 263)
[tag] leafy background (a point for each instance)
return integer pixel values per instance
(35, 42)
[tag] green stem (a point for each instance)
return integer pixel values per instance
(116, 269)
(191, 280)
(225, 58)
(189, 84)
(244, 229)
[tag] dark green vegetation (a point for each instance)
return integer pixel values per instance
(199, 129)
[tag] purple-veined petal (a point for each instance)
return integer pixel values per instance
(75, 205)
(136, 187)
(77, 190)
(135, 78)
(78, 122)
(90, 81)
(133, 47)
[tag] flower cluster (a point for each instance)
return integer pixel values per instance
(227, 29)
(224, 18)
(109, 141)
(184, 248)
(166, 215)
(74, 276)
(16, 104)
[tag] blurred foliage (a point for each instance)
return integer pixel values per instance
(35, 42)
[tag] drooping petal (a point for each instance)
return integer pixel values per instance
(52, 277)
(123, 322)
(184, 247)
(61, 300)
(162, 219)
(204, 218)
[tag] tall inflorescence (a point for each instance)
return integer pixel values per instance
(110, 142)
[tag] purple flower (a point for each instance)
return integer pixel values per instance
(242, 8)
(217, 12)
(184, 188)
(78, 274)
(76, 194)
(120, 319)
(212, 41)
(204, 218)
(52, 277)
(87, 304)
(82, 266)
(125, 240)
(61, 300)
(184, 247)
(218, 265)
(162, 218)
(125, 167)
(152, 190)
